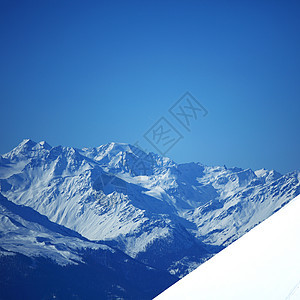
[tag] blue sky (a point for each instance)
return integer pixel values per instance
(85, 73)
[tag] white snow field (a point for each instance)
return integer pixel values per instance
(263, 264)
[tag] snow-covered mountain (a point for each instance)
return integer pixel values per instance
(263, 264)
(40, 259)
(167, 215)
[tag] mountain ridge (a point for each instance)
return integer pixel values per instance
(168, 215)
(43, 260)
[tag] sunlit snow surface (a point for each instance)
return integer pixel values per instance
(26, 232)
(263, 264)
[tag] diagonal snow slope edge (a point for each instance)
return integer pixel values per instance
(263, 264)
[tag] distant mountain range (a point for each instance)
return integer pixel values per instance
(68, 207)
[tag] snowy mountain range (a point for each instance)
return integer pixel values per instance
(263, 264)
(43, 260)
(167, 217)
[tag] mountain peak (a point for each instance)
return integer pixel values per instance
(113, 150)
(43, 145)
(114, 147)
(25, 146)
(27, 143)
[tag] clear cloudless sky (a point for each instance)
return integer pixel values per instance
(85, 73)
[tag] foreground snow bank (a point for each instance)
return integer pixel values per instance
(263, 264)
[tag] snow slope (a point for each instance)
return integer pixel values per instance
(43, 260)
(263, 264)
(26, 232)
